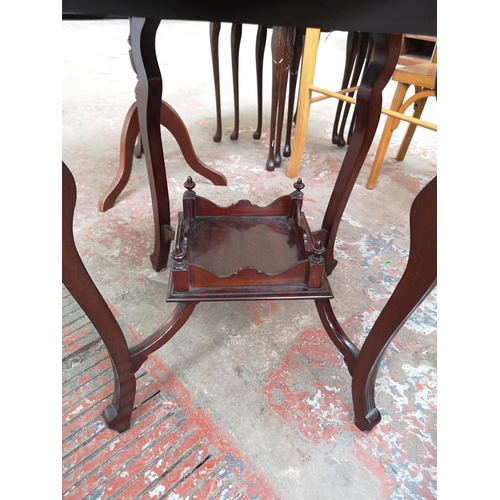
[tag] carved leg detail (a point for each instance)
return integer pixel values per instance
(235, 59)
(282, 46)
(162, 335)
(214, 47)
(130, 131)
(260, 45)
(79, 283)
(337, 334)
(369, 104)
(298, 44)
(417, 281)
(149, 90)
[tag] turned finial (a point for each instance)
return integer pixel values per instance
(299, 185)
(178, 256)
(189, 184)
(317, 251)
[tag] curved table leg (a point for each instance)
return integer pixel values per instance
(174, 124)
(369, 104)
(125, 361)
(418, 280)
(149, 90)
(260, 45)
(130, 132)
(79, 283)
(235, 59)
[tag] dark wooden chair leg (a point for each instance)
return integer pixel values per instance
(260, 45)
(298, 45)
(350, 52)
(149, 91)
(235, 57)
(418, 280)
(369, 104)
(79, 283)
(283, 84)
(360, 60)
(214, 47)
(130, 131)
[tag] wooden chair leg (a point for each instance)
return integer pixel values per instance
(405, 144)
(214, 47)
(281, 47)
(130, 131)
(360, 59)
(260, 45)
(298, 45)
(306, 80)
(286, 62)
(418, 280)
(350, 55)
(385, 139)
(235, 56)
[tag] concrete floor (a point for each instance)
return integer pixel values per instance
(264, 371)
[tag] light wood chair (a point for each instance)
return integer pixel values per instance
(413, 75)
(423, 77)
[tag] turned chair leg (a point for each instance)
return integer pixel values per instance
(417, 113)
(390, 125)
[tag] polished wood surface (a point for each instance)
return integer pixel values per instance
(376, 16)
(386, 20)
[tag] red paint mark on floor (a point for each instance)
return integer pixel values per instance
(262, 310)
(318, 412)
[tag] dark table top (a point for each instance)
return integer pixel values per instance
(376, 16)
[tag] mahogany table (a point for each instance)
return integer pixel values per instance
(218, 251)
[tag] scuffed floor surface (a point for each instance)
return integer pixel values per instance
(249, 399)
